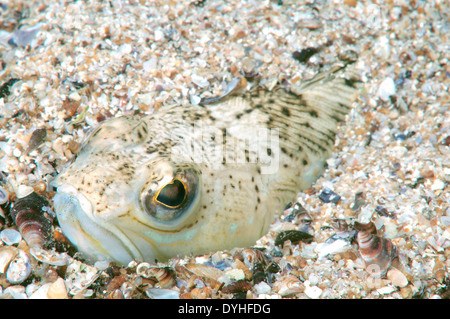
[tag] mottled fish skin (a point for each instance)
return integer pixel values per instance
(135, 191)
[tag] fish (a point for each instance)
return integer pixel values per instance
(197, 178)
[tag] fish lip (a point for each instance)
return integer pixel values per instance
(93, 240)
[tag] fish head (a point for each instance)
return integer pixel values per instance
(124, 197)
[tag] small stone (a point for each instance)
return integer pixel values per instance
(386, 89)
(57, 290)
(10, 236)
(24, 190)
(294, 236)
(262, 288)
(437, 185)
(235, 274)
(313, 292)
(386, 290)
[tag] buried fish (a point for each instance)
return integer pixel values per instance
(199, 178)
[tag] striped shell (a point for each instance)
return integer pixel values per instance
(31, 215)
(368, 228)
(377, 253)
(165, 276)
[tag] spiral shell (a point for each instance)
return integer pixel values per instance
(165, 276)
(31, 215)
(369, 228)
(252, 256)
(377, 253)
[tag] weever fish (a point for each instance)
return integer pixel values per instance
(199, 178)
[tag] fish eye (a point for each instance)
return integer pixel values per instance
(170, 203)
(172, 195)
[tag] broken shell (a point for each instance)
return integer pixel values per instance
(252, 256)
(439, 271)
(36, 139)
(288, 286)
(116, 294)
(340, 242)
(31, 215)
(205, 272)
(79, 277)
(19, 269)
(50, 257)
(377, 253)
(156, 293)
(7, 254)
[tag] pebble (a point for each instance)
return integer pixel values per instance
(57, 290)
(10, 236)
(397, 278)
(24, 191)
(235, 274)
(437, 185)
(313, 292)
(386, 89)
(263, 288)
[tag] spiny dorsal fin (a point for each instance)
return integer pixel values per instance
(308, 114)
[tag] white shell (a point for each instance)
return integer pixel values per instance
(10, 236)
(313, 292)
(397, 278)
(41, 292)
(19, 269)
(50, 257)
(156, 293)
(79, 277)
(7, 254)
(23, 191)
(386, 89)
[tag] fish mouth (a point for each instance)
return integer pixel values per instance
(94, 239)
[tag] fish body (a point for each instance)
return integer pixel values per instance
(191, 179)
